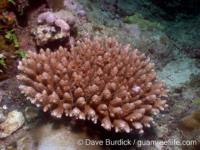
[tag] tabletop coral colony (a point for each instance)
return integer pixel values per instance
(98, 80)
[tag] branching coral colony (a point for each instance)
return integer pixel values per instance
(95, 80)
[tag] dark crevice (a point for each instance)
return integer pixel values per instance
(22, 17)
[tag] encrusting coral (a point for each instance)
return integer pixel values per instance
(47, 30)
(190, 127)
(96, 80)
(190, 122)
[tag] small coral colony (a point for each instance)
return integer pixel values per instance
(97, 80)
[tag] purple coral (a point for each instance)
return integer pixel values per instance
(46, 17)
(81, 13)
(69, 18)
(65, 29)
(47, 30)
(70, 4)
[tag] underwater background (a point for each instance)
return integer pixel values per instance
(166, 31)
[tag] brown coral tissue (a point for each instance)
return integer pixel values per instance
(55, 4)
(190, 127)
(97, 80)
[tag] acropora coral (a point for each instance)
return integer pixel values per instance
(97, 80)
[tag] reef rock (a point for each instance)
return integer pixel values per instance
(14, 121)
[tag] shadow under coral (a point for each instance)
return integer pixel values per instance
(69, 133)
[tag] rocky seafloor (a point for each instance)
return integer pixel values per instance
(170, 38)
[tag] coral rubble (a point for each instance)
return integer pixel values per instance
(96, 80)
(63, 137)
(14, 121)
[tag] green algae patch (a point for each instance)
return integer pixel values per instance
(197, 100)
(142, 23)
